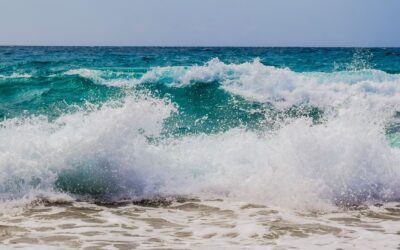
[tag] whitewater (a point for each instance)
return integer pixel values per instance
(156, 147)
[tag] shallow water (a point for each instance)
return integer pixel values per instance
(198, 224)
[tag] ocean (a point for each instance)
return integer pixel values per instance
(194, 148)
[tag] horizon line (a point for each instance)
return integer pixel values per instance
(201, 46)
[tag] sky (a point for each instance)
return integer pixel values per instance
(363, 23)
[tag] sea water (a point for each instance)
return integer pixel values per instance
(270, 148)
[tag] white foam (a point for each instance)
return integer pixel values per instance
(342, 161)
(16, 75)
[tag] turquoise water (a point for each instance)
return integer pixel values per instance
(117, 123)
(48, 90)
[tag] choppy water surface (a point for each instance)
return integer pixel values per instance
(229, 147)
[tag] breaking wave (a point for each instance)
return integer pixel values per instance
(118, 150)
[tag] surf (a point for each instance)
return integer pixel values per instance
(244, 131)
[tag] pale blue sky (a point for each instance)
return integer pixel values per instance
(201, 23)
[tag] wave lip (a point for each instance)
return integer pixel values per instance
(257, 82)
(105, 77)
